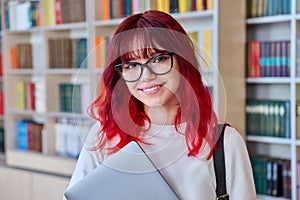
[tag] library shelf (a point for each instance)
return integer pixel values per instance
(269, 19)
(40, 162)
(266, 197)
(68, 26)
(270, 140)
(269, 31)
(269, 80)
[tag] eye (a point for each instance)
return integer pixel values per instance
(127, 66)
(160, 58)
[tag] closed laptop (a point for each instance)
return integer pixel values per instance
(128, 174)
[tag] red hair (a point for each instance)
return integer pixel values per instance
(120, 114)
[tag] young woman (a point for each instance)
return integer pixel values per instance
(152, 92)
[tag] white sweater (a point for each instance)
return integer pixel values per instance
(193, 178)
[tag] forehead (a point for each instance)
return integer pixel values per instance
(141, 52)
(141, 43)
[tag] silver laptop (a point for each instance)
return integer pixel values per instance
(128, 174)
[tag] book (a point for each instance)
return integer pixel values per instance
(199, 5)
(22, 135)
(269, 177)
(207, 47)
(116, 9)
(69, 136)
(40, 96)
(255, 59)
(259, 173)
(60, 137)
(80, 53)
(23, 17)
(268, 118)
(277, 189)
(14, 58)
(287, 179)
(74, 97)
(21, 95)
(1, 65)
(73, 11)
(58, 15)
(272, 176)
(30, 96)
(2, 140)
(49, 12)
(103, 13)
(298, 56)
(138, 6)
(2, 107)
(97, 51)
(173, 6)
(77, 11)
(298, 180)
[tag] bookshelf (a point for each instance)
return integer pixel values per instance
(274, 77)
(48, 70)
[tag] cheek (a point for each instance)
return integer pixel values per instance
(174, 81)
(131, 87)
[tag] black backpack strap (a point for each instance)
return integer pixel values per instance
(219, 165)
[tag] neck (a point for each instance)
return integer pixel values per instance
(162, 115)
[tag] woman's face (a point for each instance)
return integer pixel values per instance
(156, 90)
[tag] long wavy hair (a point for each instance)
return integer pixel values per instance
(123, 116)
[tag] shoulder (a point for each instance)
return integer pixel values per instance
(232, 137)
(234, 143)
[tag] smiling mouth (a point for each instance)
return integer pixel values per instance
(151, 89)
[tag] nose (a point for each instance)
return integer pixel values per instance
(147, 74)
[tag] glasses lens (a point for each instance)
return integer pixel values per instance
(130, 71)
(161, 64)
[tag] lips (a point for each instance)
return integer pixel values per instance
(151, 89)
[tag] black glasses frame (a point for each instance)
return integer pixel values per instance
(118, 67)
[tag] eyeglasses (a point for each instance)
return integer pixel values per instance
(159, 64)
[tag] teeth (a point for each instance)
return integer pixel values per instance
(151, 89)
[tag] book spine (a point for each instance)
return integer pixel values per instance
(173, 6)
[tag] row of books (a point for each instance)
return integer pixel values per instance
(63, 11)
(272, 176)
(26, 95)
(29, 135)
(2, 140)
(21, 56)
(31, 96)
(182, 6)
(268, 59)
(22, 15)
(70, 136)
(72, 52)
(259, 8)
(74, 97)
(268, 118)
(67, 53)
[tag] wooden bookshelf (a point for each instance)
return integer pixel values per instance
(273, 28)
(225, 78)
